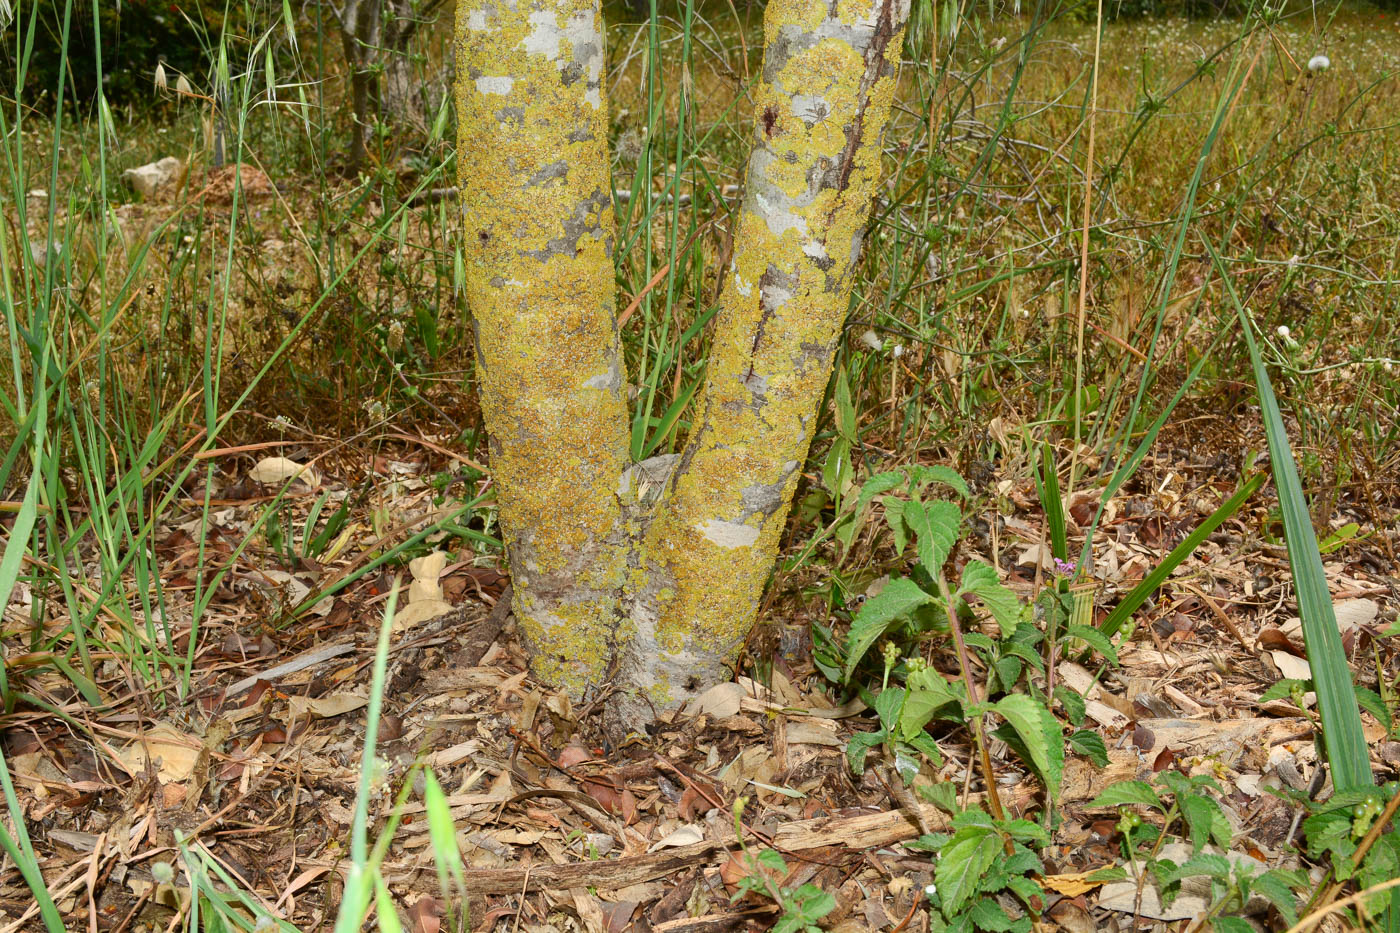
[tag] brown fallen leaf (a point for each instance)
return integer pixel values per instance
(1072, 883)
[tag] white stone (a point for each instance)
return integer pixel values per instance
(154, 177)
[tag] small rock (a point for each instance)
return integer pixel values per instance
(42, 255)
(155, 177)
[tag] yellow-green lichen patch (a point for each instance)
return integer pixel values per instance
(810, 184)
(801, 15)
(537, 249)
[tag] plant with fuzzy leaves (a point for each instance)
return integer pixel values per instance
(979, 860)
(927, 603)
(1149, 813)
(802, 907)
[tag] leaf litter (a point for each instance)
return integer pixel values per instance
(559, 830)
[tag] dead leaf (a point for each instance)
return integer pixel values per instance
(1072, 883)
(175, 751)
(276, 471)
(719, 702)
(1290, 666)
(335, 704)
(687, 835)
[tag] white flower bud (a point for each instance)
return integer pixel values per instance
(1283, 332)
(161, 83)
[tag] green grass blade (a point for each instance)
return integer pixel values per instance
(19, 850)
(1336, 698)
(1134, 600)
(1047, 486)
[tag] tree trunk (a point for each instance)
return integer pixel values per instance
(650, 576)
(538, 249)
(359, 37)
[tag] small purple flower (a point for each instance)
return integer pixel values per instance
(1064, 568)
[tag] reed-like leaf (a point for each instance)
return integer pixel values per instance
(1336, 699)
(1134, 600)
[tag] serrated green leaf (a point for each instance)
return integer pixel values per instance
(899, 597)
(1283, 689)
(1027, 832)
(1107, 873)
(982, 581)
(1008, 672)
(979, 641)
(1208, 864)
(1371, 702)
(943, 795)
(925, 744)
(1231, 925)
(988, 915)
(935, 527)
(1128, 792)
(872, 487)
(1205, 820)
(1026, 889)
(894, 517)
(1094, 639)
(962, 863)
(1072, 703)
(859, 746)
(928, 692)
(979, 819)
(1274, 886)
(1023, 651)
(938, 473)
(1091, 745)
(772, 860)
(1040, 731)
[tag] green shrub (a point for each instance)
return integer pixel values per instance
(135, 36)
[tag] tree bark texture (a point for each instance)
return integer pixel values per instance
(649, 576)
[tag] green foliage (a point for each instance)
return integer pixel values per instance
(1040, 738)
(135, 35)
(981, 859)
(802, 907)
(1184, 805)
(1336, 698)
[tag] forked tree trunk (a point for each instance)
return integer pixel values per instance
(649, 577)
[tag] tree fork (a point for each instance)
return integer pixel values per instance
(659, 596)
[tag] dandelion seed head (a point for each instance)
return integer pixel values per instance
(1319, 63)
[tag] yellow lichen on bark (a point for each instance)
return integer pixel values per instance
(537, 248)
(829, 80)
(599, 578)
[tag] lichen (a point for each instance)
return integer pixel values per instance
(668, 590)
(537, 250)
(828, 84)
